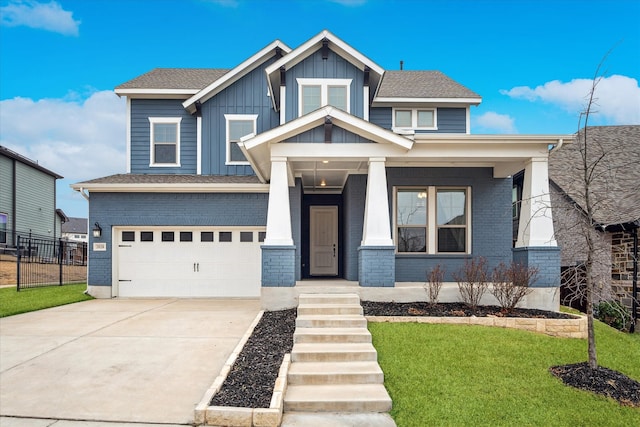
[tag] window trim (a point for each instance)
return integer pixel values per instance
(163, 120)
(324, 90)
(237, 117)
(432, 220)
(414, 120)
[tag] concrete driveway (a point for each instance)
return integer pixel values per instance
(126, 360)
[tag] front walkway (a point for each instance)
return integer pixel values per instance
(125, 360)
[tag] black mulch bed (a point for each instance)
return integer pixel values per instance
(601, 381)
(372, 308)
(252, 377)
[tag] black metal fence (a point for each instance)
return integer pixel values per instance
(49, 262)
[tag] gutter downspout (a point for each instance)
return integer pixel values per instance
(557, 146)
(83, 194)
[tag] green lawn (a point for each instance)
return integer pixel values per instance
(32, 299)
(450, 375)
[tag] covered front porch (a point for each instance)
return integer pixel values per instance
(349, 237)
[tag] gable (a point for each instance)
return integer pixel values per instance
(323, 41)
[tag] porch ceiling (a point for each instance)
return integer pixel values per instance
(326, 176)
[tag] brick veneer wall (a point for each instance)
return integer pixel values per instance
(622, 267)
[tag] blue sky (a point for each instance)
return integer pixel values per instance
(530, 60)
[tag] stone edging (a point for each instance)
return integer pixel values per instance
(566, 328)
(235, 416)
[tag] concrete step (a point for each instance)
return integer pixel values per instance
(328, 299)
(327, 352)
(337, 398)
(335, 373)
(329, 309)
(331, 321)
(331, 335)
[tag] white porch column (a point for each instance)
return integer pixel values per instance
(279, 211)
(536, 223)
(376, 230)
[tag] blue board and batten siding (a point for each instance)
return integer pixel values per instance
(249, 95)
(450, 120)
(338, 135)
(334, 67)
(167, 209)
(141, 110)
(490, 218)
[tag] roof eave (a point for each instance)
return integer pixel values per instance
(393, 101)
(171, 188)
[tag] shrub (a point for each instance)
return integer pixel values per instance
(613, 314)
(511, 284)
(434, 283)
(472, 281)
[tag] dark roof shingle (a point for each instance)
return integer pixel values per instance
(175, 78)
(614, 189)
(421, 84)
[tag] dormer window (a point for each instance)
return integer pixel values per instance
(165, 141)
(411, 119)
(316, 93)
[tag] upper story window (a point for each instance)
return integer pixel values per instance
(238, 126)
(410, 119)
(165, 141)
(316, 93)
(432, 220)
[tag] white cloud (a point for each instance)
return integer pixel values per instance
(46, 16)
(79, 140)
(494, 122)
(617, 98)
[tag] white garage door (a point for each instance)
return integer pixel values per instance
(188, 262)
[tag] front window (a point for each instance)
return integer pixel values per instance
(411, 119)
(3, 228)
(452, 220)
(411, 217)
(432, 220)
(316, 93)
(165, 141)
(238, 126)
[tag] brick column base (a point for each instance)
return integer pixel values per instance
(278, 266)
(545, 258)
(377, 266)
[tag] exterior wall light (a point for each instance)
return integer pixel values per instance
(97, 231)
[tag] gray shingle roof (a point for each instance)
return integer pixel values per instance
(175, 78)
(617, 175)
(421, 84)
(76, 225)
(173, 179)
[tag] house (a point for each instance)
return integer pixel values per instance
(615, 150)
(76, 230)
(27, 200)
(308, 164)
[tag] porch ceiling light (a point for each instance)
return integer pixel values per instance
(97, 231)
(323, 183)
(325, 161)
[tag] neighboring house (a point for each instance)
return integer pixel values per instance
(76, 230)
(616, 201)
(310, 163)
(27, 199)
